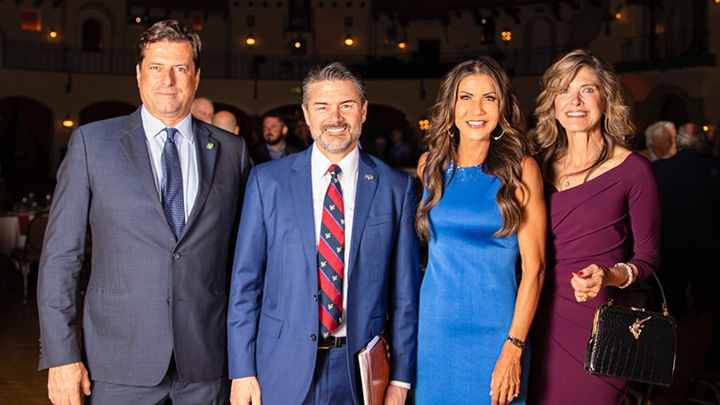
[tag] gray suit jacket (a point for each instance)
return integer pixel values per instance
(148, 295)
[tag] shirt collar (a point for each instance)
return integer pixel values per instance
(320, 163)
(154, 127)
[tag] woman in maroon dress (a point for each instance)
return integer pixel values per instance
(604, 223)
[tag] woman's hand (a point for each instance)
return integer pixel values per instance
(588, 282)
(505, 383)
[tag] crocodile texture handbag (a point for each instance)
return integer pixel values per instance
(633, 344)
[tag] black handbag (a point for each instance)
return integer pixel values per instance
(633, 344)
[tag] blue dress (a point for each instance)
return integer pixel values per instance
(467, 297)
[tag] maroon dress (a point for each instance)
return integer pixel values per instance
(612, 218)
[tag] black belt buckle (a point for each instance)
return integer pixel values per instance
(331, 342)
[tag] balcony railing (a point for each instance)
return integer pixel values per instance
(669, 50)
(58, 58)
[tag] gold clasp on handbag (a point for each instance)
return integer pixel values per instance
(637, 327)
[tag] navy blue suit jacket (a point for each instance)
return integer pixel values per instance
(273, 312)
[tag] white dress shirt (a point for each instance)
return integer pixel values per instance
(319, 164)
(155, 136)
(348, 183)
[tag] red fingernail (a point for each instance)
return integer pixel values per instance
(572, 275)
(580, 274)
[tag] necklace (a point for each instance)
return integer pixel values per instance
(566, 176)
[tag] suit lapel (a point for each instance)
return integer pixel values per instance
(366, 186)
(135, 147)
(206, 149)
(300, 180)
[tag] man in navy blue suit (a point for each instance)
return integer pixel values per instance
(161, 192)
(326, 258)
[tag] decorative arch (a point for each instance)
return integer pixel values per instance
(26, 129)
(92, 35)
(670, 103)
(103, 15)
(105, 109)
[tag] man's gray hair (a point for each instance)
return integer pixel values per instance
(333, 71)
(691, 136)
(658, 129)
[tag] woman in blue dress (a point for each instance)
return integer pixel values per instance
(483, 210)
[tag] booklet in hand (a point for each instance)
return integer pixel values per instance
(374, 361)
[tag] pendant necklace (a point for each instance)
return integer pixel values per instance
(566, 176)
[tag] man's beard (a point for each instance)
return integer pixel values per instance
(274, 141)
(353, 136)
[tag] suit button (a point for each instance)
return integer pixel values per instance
(313, 337)
(315, 298)
(176, 255)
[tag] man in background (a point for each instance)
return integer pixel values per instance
(660, 140)
(227, 121)
(203, 109)
(274, 131)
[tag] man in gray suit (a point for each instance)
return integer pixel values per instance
(160, 192)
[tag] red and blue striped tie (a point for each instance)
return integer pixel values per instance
(331, 255)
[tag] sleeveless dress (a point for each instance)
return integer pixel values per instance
(467, 296)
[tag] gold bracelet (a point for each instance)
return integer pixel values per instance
(630, 274)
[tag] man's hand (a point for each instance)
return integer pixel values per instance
(395, 395)
(245, 391)
(64, 384)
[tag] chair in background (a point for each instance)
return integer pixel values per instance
(24, 258)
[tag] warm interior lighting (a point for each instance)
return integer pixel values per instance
(717, 1)
(67, 122)
(618, 15)
(705, 127)
(53, 33)
(402, 45)
(506, 35)
(138, 19)
(297, 44)
(424, 124)
(349, 41)
(250, 40)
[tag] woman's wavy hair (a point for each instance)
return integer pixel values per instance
(550, 138)
(504, 158)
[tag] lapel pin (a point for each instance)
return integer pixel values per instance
(369, 177)
(210, 145)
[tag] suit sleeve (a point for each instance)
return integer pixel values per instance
(404, 290)
(62, 258)
(246, 283)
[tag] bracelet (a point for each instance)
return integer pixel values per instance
(517, 342)
(629, 271)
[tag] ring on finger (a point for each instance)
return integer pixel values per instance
(584, 297)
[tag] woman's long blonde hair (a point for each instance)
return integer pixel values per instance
(550, 137)
(504, 158)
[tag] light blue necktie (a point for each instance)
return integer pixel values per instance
(172, 185)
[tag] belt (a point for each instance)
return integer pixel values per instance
(331, 342)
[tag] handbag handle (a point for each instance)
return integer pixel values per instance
(662, 292)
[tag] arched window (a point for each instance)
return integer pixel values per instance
(92, 35)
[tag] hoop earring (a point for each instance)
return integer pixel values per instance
(497, 138)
